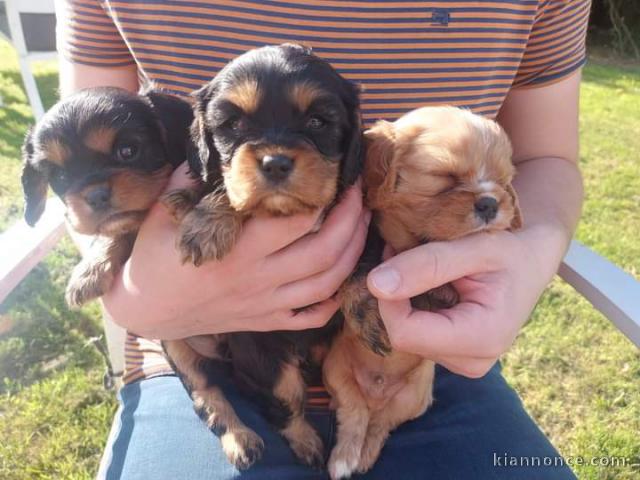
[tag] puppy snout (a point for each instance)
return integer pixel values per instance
(486, 208)
(98, 197)
(276, 168)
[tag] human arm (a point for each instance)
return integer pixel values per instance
(499, 276)
(77, 69)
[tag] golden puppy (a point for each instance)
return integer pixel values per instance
(436, 174)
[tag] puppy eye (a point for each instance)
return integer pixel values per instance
(233, 123)
(59, 175)
(127, 153)
(315, 123)
(58, 179)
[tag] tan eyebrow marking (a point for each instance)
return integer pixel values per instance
(100, 139)
(303, 95)
(245, 95)
(56, 152)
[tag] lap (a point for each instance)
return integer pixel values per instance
(473, 429)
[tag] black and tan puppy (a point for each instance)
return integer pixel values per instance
(276, 133)
(107, 153)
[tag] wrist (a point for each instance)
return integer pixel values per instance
(548, 243)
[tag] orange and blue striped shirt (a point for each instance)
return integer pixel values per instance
(404, 54)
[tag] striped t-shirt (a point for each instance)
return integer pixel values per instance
(404, 54)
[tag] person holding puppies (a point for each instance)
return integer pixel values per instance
(513, 61)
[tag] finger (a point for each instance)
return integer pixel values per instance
(262, 236)
(319, 251)
(313, 316)
(428, 266)
(322, 285)
(473, 367)
(458, 331)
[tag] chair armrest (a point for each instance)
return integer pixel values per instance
(25, 246)
(607, 287)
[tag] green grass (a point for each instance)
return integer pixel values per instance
(578, 376)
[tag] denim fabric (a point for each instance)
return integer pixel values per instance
(471, 430)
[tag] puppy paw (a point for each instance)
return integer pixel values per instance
(443, 297)
(199, 245)
(380, 343)
(87, 283)
(207, 235)
(343, 462)
(179, 202)
(370, 451)
(360, 309)
(242, 447)
(309, 449)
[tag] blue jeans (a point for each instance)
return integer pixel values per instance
(475, 430)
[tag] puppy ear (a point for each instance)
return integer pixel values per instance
(353, 160)
(379, 174)
(202, 155)
(175, 115)
(516, 221)
(34, 184)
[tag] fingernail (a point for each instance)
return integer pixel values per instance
(385, 279)
(367, 217)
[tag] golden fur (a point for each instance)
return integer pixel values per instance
(423, 176)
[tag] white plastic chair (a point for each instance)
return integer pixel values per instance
(16, 10)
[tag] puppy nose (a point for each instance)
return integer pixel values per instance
(486, 208)
(98, 197)
(276, 167)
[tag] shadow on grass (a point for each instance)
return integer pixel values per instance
(46, 336)
(607, 75)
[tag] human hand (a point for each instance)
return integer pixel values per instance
(276, 266)
(499, 277)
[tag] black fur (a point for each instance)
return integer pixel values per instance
(277, 69)
(173, 114)
(34, 184)
(257, 358)
(152, 127)
(154, 120)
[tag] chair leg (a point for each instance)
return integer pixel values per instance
(31, 87)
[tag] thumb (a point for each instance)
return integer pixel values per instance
(428, 266)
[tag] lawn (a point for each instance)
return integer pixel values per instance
(578, 376)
